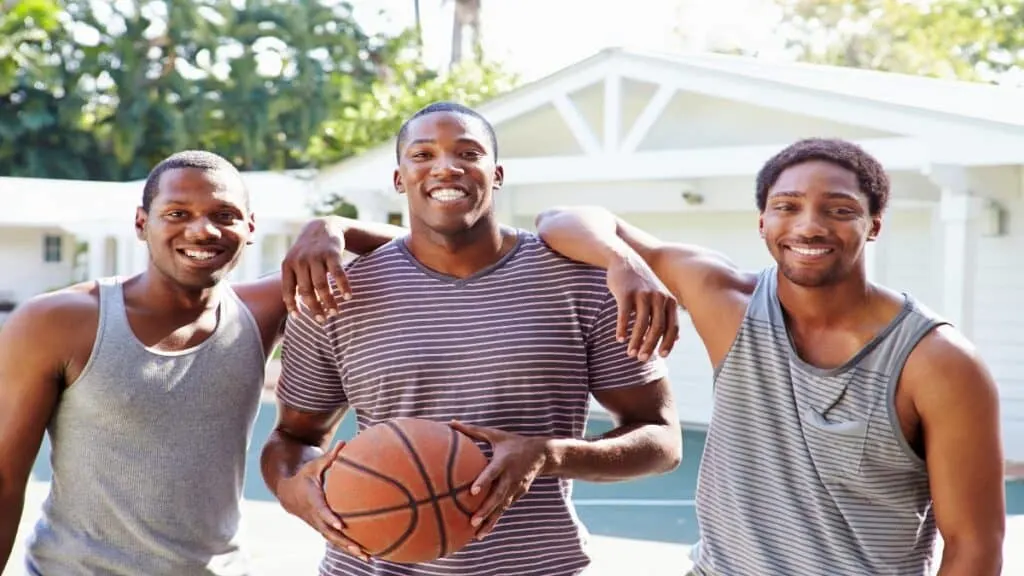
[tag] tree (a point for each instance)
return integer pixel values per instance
(375, 116)
(981, 40)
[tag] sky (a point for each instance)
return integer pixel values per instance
(538, 37)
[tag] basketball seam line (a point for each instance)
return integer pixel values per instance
(450, 494)
(441, 531)
(413, 521)
(453, 455)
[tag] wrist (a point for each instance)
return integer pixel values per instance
(554, 456)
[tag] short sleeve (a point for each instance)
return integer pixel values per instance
(608, 365)
(310, 378)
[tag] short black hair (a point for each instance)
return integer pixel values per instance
(444, 106)
(198, 159)
(871, 176)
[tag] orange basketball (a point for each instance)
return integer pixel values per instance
(401, 488)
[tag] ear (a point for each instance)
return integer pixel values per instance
(140, 223)
(499, 177)
(760, 225)
(876, 228)
(399, 187)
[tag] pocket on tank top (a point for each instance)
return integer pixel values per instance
(836, 446)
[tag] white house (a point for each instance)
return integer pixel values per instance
(673, 143)
(56, 232)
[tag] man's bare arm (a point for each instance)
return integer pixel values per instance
(646, 440)
(293, 463)
(319, 250)
(958, 404)
(29, 388)
(712, 288)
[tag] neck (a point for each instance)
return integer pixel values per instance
(824, 306)
(154, 286)
(460, 255)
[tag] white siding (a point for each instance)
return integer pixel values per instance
(25, 274)
(999, 324)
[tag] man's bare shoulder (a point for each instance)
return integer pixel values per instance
(58, 312)
(73, 303)
(945, 369)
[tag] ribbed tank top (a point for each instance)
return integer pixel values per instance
(806, 471)
(149, 451)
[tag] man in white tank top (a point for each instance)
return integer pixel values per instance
(820, 202)
(181, 349)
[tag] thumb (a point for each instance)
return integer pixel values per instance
(473, 431)
(328, 459)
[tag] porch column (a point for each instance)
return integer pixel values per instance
(97, 256)
(140, 256)
(874, 261)
(124, 264)
(252, 260)
(959, 215)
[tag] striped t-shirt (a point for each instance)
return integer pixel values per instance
(518, 346)
(806, 471)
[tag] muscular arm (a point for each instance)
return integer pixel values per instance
(29, 387)
(298, 438)
(958, 405)
(706, 283)
(646, 440)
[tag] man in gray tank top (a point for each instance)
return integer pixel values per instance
(849, 421)
(149, 386)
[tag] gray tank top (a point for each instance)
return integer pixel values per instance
(149, 450)
(806, 471)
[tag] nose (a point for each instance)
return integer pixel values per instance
(446, 165)
(810, 224)
(201, 229)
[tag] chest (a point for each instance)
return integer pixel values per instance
(466, 353)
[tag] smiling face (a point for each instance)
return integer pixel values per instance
(197, 226)
(816, 222)
(447, 168)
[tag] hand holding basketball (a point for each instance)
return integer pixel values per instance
(302, 495)
(515, 463)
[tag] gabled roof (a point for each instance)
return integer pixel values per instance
(931, 109)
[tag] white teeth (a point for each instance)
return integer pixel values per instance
(198, 255)
(447, 195)
(810, 251)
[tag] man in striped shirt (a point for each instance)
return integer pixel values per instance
(465, 319)
(850, 422)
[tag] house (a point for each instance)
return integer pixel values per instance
(672, 144)
(57, 232)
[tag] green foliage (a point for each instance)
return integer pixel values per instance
(104, 90)
(337, 205)
(376, 115)
(980, 40)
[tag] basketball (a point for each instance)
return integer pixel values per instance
(401, 488)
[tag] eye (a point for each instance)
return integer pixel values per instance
(420, 155)
(226, 216)
(784, 207)
(472, 154)
(176, 214)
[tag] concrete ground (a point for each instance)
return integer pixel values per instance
(283, 545)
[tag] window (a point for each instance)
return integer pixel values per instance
(52, 248)
(395, 218)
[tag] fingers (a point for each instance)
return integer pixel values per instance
(288, 287)
(656, 329)
(672, 330)
(473, 431)
(323, 463)
(643, 320)
(337, 271)
(322, 295)
(304, 287)
(483, 515)
(488, 525)
(622, 321)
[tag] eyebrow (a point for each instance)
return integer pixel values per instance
(797, 194)
(464, 139)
